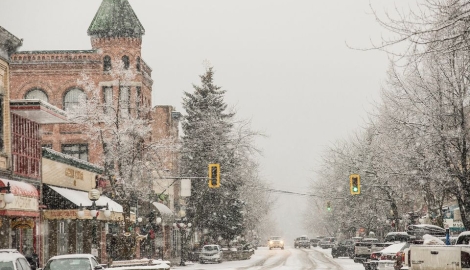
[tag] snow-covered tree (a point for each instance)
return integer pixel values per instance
(208, 138)
(121, 129)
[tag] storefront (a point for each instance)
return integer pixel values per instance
(19, 220)
(67, 232)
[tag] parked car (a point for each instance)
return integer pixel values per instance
(13, 261)
(344, 248)
(397, 237)
(302, 241)
(314, 242)
(364, 248)
(388, 257)
(73, 261)
(210, 253)
(327, 242)
(276, 242)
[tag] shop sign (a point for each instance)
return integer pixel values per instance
(22, 203)
(60, 214)
(72, 214)
(76, 174)
(22, 223)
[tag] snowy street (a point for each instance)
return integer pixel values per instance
(288, 259)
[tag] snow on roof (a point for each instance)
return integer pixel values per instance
(10, 256)
(393, 249)
(71, 256)
(81, 197)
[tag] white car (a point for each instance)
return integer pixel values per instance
(73, 261)
(13, 261)
(210, 253)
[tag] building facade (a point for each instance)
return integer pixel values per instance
(60, 78)
(20, 158)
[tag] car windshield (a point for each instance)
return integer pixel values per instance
(69, 264)
(209, 248)
(7, 265)
(275, 238)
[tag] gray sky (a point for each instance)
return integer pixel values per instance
(284, 65)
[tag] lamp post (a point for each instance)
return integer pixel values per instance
(182, 227)
(94, 195)
(158, 221)
(8, 197)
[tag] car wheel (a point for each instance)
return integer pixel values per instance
(201, 261)
(282, 247)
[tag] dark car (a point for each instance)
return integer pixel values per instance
(344, 248)
(314, 242)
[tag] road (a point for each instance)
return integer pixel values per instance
(287, 259)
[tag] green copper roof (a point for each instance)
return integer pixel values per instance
(115, 18)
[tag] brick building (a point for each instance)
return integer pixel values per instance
(20, 158)
(52, 76)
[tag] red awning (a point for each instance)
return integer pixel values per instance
(20, 188)
(26, 202)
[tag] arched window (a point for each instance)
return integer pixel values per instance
(137, 65)
(125, 61)
(73, 97)
(37, 94)
(107, 63)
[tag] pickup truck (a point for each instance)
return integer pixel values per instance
(433, 257)
(363, 249)
(439, 257)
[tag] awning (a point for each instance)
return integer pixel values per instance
(163, 209)
(38, 111)
(26, 202)
(20, 188)
(78, 197)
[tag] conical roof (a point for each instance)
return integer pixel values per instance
(115, 18)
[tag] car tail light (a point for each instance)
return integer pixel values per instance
(374, 256)
(409, 257)
(400, 256)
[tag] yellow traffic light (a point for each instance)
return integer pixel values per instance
(214, 175)
(355, 184)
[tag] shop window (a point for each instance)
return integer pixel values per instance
(37, 94)
(73, 97)
(62, 238)
(107, 63)
(79, 151)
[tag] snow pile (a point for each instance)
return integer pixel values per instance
(432, 240)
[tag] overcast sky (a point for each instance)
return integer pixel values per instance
(285, 65)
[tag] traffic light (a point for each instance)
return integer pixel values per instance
(214, 175)
(355, 184)
(328, 206)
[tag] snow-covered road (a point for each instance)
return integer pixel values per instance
(288, 259)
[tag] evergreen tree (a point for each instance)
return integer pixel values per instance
(207, 138)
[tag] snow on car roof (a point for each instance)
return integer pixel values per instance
(393, 249)
(8, 257)
(72, 256)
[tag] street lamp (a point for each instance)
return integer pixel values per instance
(182, 227)
(94, 195)
(7, 197)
